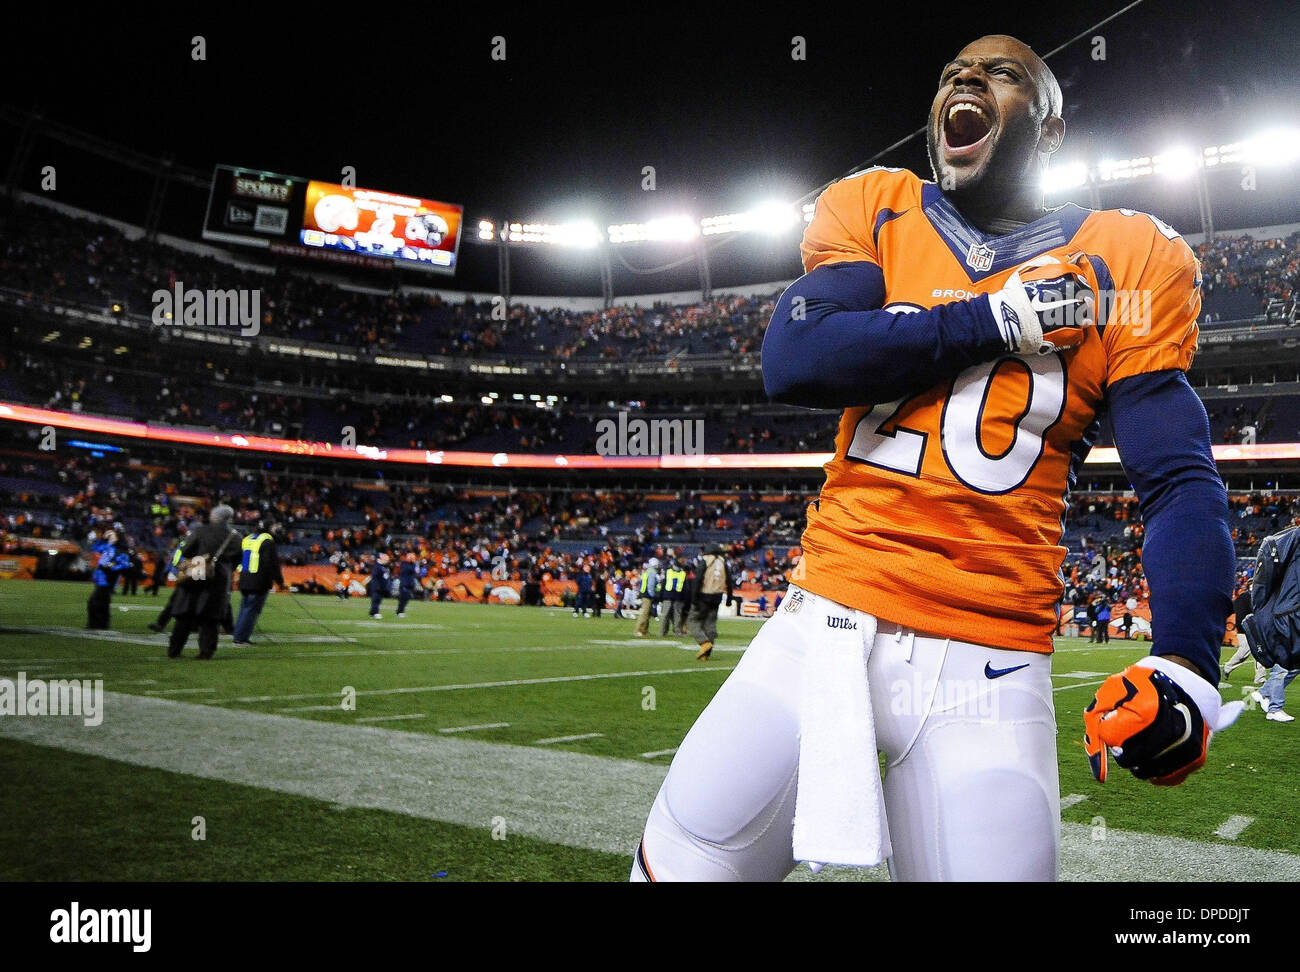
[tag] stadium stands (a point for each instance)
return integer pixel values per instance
(333, 518)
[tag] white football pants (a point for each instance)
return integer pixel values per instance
(1241, 656)
(968, 734)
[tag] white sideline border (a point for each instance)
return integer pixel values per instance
(575, 800)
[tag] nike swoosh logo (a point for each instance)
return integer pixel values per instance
(1187, 730)
(991, 672)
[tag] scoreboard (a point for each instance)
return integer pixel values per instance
(329, 221)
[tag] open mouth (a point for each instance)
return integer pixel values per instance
(966, 125)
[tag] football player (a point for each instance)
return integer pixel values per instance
(974, 339)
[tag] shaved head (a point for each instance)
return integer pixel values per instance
(1049, 91)
(994, 122)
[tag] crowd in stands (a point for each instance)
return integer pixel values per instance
(1268, 269)
(47, 255)
(336, 525)
(1104, 536)
(144, 387)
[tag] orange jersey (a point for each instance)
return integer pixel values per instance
(944, 512)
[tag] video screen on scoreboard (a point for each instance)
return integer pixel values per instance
(341, 224)
(381, 224)
(252, 207)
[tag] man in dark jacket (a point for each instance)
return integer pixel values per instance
(378, 584)
(133, 574)
(158, 579)
(259, 571)
(164, 618)
(203, 604)
(582, 605)
(598, 593)
(1273, 626)
(408, 582)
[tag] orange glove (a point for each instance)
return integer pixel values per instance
(1156, 718)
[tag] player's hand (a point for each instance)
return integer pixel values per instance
(1156, 718)
(1047, 304)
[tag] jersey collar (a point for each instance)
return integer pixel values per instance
(982, 255)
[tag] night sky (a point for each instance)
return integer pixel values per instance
(561, 129)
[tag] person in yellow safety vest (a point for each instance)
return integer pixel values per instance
(649, 594)
(673, 595)
(259, 570)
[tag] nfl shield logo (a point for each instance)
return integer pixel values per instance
(979, 257)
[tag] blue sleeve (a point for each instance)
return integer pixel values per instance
(829, 345)
(1163, 436)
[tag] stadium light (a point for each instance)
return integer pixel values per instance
(1068, 176)
(1175, 163)
(582, 233)
(487, 232)
(1275, 147)
(669, 228)
(1271, 148)
(771, 217)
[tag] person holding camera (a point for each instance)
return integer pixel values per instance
(712, 584)
(202, 598)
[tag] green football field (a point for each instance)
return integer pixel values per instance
(471, 742)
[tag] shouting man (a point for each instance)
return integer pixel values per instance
(974, 339)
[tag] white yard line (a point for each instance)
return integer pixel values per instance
(50, 678)
(1231, 828)
(1066, 688)
(1122, 646)
(564, 739)
(486, 725)
(395, 718)
(1078, 674)
(659, 752)
(82, 634)
(388, 625)
(554, 679)
(179, 691)
(1074, 799)
(567, 798)
(637, 642)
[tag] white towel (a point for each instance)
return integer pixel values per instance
(839, 813)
